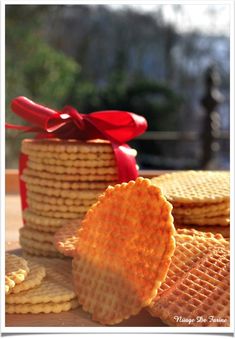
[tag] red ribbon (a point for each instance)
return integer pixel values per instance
(116, 126)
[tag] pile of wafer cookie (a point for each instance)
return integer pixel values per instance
(35, 287)
(128, 255)
(200, 199)
(63, 179)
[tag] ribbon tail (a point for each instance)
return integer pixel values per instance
(126, 163)
(23, 191)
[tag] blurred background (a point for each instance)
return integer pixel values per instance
(169, 63)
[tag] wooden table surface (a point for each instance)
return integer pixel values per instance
(73, 318)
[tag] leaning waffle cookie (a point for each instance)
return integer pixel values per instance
(191, 187)
(71, 185)
(56, 286)
(124, 249)
(49, 307)
(201, 296)
(16, 270)
(33, 279)
(66, 238)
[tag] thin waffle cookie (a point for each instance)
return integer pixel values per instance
(16, 270)
(31, 233)
(56, 287)
(194, 187)
(34, 278)
(201, 296)
(66, 238)
(124, 249)
(49, 307)
(224, 231)
(71, 185)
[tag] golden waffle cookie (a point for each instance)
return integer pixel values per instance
(34, 234)
(28, 250)
(34, 278)
(201, 293)
(70, 177)
(224, 231)
(61, 193)
(50, 200)
(60, 215)
(219, 220)
(204, 237)
(71, 185)
(68, 146)
(75, 163)
(42, 307)
(56, 287)
(80, 171)
(61, 209)
(206, 210)
(124, 250)
(66, 238)
(193, 187)
(35, 219)
(42, 228)
(16, 270)
(35, 244)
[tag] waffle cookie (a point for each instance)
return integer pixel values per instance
(125, 245)
(199, 198)
(63, 179)
(197, 278)
(16, 270)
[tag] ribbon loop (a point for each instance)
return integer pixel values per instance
(118, 127)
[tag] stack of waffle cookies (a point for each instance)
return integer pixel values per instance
(200, 199)
(63, 179)
(43, 286)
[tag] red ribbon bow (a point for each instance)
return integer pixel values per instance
(116, 126)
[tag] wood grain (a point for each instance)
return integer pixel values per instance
(72, 318)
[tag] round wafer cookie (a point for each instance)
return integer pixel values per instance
(206, 210)
(50, 200)
(192, 187)
(75, 163)
(44, 207)
(38, 245)
(32, 252)
(80, 171)
(16, 270)
(31, 218)
(203, 292)
(42, 307)
(124, 250)
(56, 286)
(34, 278)
(42, 228)
(68, 146)
(224, 231)
(71, 185)
(190, 220)
(66, 238)
(59, 215)
(62, 193)
(30, 233)
(191, 246)
(70, 177)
